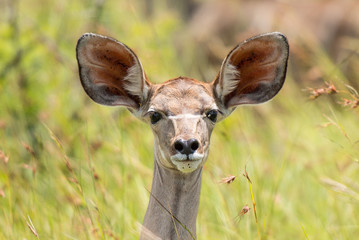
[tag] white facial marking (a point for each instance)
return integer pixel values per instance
(185, 164)
(151, 109)
(179, 157)
(188, 116)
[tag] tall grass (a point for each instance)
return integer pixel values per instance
(71, 169)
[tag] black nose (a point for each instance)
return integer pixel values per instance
(186, 147)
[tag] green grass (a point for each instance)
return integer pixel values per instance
(77, 170)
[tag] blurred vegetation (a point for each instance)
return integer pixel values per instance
(71, 169)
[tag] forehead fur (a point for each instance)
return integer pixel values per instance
(182, 95)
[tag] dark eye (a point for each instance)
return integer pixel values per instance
(155, 117)
(212, 115)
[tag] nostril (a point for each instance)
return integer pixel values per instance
(179, 145)
(186, 147)
(194, 144)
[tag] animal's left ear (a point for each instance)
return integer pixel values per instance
(253, 72)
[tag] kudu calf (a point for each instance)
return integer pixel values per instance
(182, 113)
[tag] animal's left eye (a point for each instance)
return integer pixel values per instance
(155, 117)
(212, 115)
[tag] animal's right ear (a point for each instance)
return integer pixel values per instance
(110, 72)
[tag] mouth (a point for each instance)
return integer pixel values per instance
(187, 163)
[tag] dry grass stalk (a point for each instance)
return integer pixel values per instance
(339, 187)
(73, 177)
(173, 217)
(245, 174)
(68, 164)
(173, 221)
(58, 142)
(32, 228)
(338, 125)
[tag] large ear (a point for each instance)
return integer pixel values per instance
(253, 72)
(110, 72)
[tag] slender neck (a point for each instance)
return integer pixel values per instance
(177, 192)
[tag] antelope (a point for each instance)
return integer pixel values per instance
(182, 113)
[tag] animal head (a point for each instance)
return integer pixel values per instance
(182, 112)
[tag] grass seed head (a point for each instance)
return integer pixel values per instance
(228, 179)
(317, 92)
(349, 103)
(244, 210)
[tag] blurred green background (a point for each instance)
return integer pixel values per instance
(71, 169)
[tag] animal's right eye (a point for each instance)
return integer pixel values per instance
(212, 115)
(155, 117)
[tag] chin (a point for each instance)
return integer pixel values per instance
(187, 163)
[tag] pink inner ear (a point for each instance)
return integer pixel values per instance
(257, 62)
(107, 63)
(110, 62)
